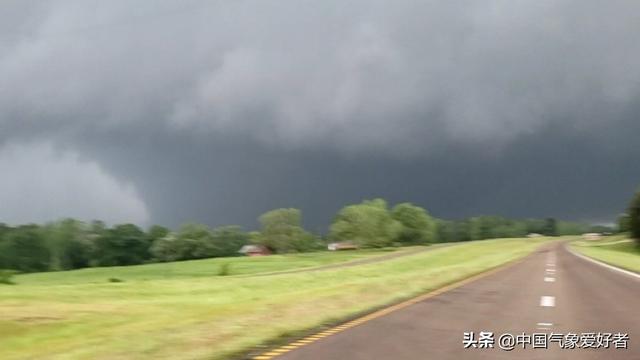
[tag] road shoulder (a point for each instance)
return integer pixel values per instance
(609, 266)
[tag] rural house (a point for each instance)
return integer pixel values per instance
(255, 250)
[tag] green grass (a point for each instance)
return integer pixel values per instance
(199, 268)
(184, 313)
(620, 252)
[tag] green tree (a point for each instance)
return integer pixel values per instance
(97, 228)
(492, 227)
(506, 228)
(463, 230)
(368, 224)
(481, 227)
(282, 232)
(572, 228)
(417, 226)
(444, 230)
(123, 244)
(191, 241)
(229, 239)
(169, 248)
(536, 226)
(453, 231)
(157, 232)
(623, 223)
(634, 217)
(24, 248)
(4, 229)
(69, 243)
(550, 227)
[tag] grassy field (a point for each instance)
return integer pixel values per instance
(181, 311)
(616, 251)
(202, 268)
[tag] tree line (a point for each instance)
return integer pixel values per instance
(72, 244)
(629, 221)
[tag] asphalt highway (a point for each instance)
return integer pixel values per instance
(552, 293)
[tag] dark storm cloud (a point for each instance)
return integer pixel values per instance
(217, 111)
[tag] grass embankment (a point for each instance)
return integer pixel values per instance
(617, 251)
(203, 268)
(180, 316)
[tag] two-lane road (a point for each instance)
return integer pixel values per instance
(550, 291)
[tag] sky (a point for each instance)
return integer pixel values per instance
(166, 112)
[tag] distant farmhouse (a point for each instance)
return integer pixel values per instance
(342, 246)
(255, 250)
(592, 236)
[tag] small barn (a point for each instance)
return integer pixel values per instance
(337, 246)
(592, 236)
(255, 250)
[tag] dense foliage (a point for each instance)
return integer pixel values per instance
(633, 221)
(491, 227)
(196, 241)
(72, 244)
(623, 223)
(24, 248)
(418, 227)
(368, 224)
(282, 232)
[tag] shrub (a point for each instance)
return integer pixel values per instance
(224, 269)
(5, 277)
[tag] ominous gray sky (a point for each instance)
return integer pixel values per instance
(215, 111)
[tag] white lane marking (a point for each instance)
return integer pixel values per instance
(551, 265)
(547, 301)
(544, 326)
(610, 267)
(551, 270)
(549, 279)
